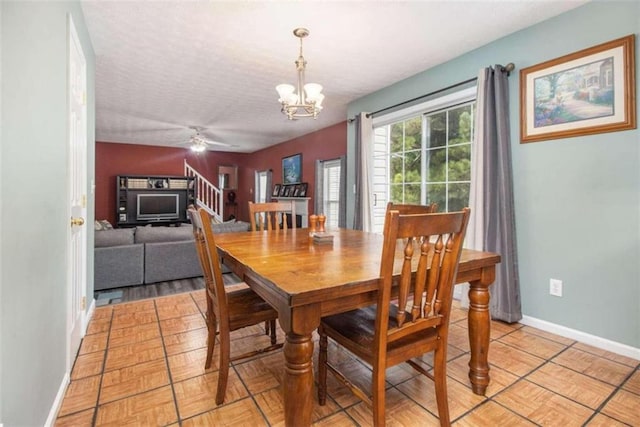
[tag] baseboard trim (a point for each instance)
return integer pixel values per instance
(53, 413)
(583, 337)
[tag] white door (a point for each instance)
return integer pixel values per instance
(78, 201)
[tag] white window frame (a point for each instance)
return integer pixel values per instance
(332, 220)
(382, 190)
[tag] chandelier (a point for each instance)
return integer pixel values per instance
(307, 102)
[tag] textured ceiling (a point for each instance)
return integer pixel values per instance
(162, 67)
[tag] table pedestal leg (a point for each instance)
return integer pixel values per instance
(298, 380)
(479, 328)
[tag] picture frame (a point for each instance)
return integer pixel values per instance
(303, 190)
(296, 190)
(586, 92)
(292, 169)
(287, 191)
(276, 190)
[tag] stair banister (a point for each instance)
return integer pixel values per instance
(208, 195)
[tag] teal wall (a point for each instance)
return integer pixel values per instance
(577, 199)
(34, 218)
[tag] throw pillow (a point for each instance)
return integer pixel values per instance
(102, 224)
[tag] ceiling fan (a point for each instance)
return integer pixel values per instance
(199, 143)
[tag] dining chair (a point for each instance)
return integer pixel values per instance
(227, 311)
(424, 249)
(405, 209)
(271, 215)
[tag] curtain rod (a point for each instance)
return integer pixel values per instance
(508, 68)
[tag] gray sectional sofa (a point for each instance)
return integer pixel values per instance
(142, 255)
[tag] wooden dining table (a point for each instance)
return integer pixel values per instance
(304, 281)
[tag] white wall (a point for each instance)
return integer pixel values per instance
(34, 216)
(577, 199)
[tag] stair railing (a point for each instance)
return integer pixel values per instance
(208, 196)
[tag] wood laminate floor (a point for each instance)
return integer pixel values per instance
(153, 290)
(142, 363)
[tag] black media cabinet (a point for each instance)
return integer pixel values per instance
(164, 199)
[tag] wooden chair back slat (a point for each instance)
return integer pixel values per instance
(404, 289)
(268, 216)
(434, 243)
(406, 209)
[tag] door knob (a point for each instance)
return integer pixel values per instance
(77, 221)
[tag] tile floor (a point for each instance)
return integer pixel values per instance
(142, 363)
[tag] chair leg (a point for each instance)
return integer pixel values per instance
(223, 372)
(266, 327)
(440, 380)
(272, 329)
(322, 368)
(378, 398)
(212, 324)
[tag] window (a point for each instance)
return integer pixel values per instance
(331, 192)
(424, 156)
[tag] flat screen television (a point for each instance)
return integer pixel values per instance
(157, 207)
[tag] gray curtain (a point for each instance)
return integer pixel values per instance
(357, 212)
(319, 190)
(342, 218)
(499, 214)
(362, 210)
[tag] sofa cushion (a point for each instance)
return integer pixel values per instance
(118, 266)
(103, 224)
(163, 234)
(230, 227)
(114, 237)
(165, 261)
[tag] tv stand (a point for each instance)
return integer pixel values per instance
(129, 187)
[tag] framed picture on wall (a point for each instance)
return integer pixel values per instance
(276, 190)
(292, 169)
(583, 93)
(303, 190)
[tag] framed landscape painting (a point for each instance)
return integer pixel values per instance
(586, 92)
(292, 169)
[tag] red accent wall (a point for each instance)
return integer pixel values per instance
(129, 159)
(325, 144)
(114, 159)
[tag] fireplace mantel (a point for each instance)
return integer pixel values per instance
(302, 207)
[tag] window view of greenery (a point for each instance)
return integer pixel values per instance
(430, 158)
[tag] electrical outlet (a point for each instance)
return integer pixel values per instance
(555, 287)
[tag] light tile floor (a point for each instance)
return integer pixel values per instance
(142, 363)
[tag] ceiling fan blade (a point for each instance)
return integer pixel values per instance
(210, 142)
